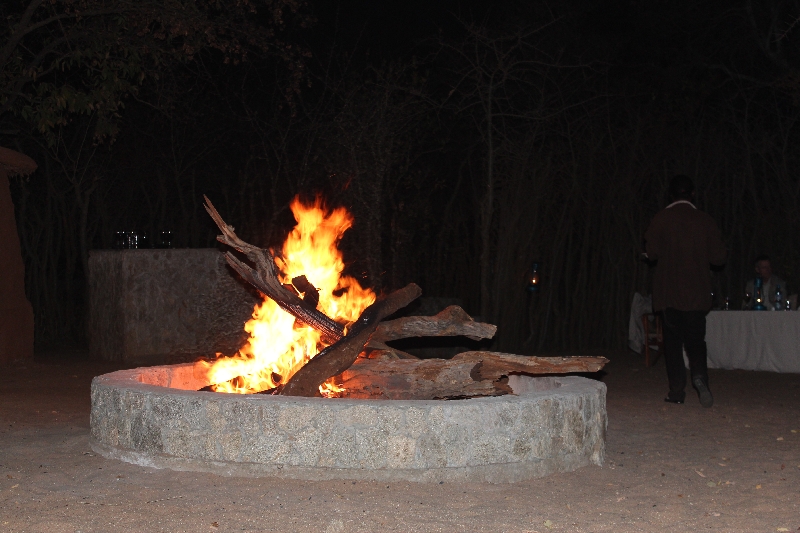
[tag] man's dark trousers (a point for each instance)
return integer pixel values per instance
(684, 329)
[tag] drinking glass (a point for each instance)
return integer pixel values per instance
(120, 240)
(133, 240)
(165, 239)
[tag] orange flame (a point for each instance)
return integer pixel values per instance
(278, 346)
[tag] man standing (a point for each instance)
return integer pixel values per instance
(684, 242)
(769, 283)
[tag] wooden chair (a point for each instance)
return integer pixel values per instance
(653, 338)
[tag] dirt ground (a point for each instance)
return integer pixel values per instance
(677, 468)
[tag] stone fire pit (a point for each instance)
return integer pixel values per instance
(155, 417)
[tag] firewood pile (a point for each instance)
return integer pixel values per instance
(360, 360)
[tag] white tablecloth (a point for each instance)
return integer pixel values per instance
(754, 340)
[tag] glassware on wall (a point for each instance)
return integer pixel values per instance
(127, 240)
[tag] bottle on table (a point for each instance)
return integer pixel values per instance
(778, 299)
(758, 295)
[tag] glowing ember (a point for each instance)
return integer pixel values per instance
(278, 346)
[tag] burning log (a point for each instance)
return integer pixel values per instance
(339, 356)
(264, 278)
(310, 294)
(467, 375)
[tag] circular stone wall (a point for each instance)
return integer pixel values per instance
(155, 417)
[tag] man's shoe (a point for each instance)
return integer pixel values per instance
(675, 397)
(706, 399)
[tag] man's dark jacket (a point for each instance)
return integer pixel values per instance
(685, 243)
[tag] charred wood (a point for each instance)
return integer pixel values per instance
(310, 294)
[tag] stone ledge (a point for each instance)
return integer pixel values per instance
(165, 306)
(556, 424)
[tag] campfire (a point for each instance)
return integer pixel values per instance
(319, 333)
(279, 344)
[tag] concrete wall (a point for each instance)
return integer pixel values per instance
(165, 306)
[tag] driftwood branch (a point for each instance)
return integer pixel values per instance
(452, 321)
(339, 356)
(264, 278)
(496, 364)
(409, 379)
(467, 375)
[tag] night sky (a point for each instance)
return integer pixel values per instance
(657, 43)
(392, 27)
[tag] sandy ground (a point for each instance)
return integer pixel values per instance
(734, 467)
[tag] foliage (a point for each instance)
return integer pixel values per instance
(63, 58)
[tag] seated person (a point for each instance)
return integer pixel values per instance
(770, 283)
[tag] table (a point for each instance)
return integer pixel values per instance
(754, 340)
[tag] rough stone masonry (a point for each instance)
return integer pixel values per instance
(154, 417)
